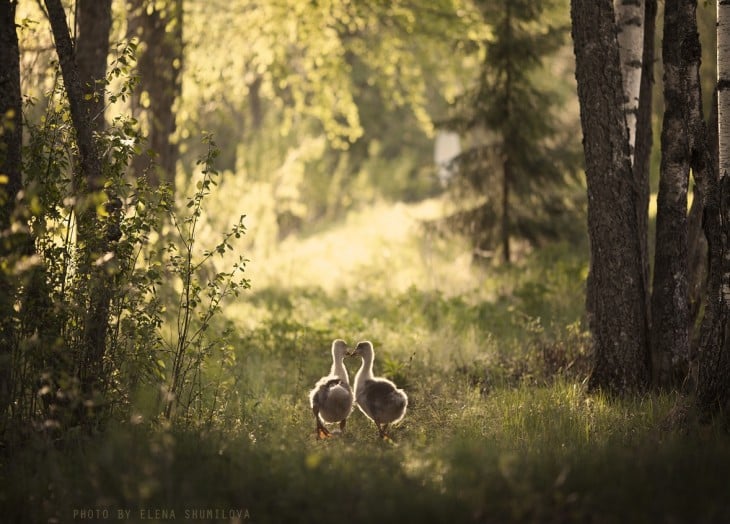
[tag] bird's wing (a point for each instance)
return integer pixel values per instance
(379, 394)
(379, 388)
(319, 394)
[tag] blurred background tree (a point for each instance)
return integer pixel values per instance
(323, 105)
(520, 159)
(158, 29)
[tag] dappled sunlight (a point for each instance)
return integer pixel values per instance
(382, 247)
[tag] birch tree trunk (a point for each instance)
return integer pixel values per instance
(669, 304)
(630, 34)
(616, 297)
(635, 24)
(644, 141)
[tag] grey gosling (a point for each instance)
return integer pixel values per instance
(331, 399)
(378, 398)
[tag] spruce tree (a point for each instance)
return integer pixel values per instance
(516, 160)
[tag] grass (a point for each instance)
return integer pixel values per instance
(499, 427)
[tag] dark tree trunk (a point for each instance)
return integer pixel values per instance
(506, 178)
(94, 21)
(90, 162)
(713, 390)
(697, 240)
(11, 138)
(159, 65)
(696, 264)
(644, 142)
(94, 18)
(11, 141)
(670, 305)
(707, 212)
(507, 165)
(616, 302)
(713, 387)
(91, 231)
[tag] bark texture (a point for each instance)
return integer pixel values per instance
(94, 20)
(723, 90)
(616, 301)
(697, 240)
(723, 116)
(90, 163)
(703, 159)
(670, 305)
(713, 392)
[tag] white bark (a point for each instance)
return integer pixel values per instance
(630, 27)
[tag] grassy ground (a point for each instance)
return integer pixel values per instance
(499, 427)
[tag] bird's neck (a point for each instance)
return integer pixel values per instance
(366, 370)
(339, 370)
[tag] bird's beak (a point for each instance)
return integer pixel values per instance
(350, 352)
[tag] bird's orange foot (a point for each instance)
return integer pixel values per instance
(322, 433)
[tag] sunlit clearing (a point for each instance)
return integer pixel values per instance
(383, 245)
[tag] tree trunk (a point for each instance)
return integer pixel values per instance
(670, 307)
(11, 138)
(616, 302)
(644, 139)
(11, 141)
(91, 233)
(703, 158)
(713, 391)
(90, 162)
(697, 241)
(630, 26)
(507, 164)
(94, 21)
(159, 64)
(506, 177)
(723, 117)
(696, 263)
(94, 18)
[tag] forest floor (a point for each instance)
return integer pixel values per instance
(499, 426)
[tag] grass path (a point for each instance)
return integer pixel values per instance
(383, 246)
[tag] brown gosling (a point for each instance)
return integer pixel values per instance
(331, 398)
(378, 398)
